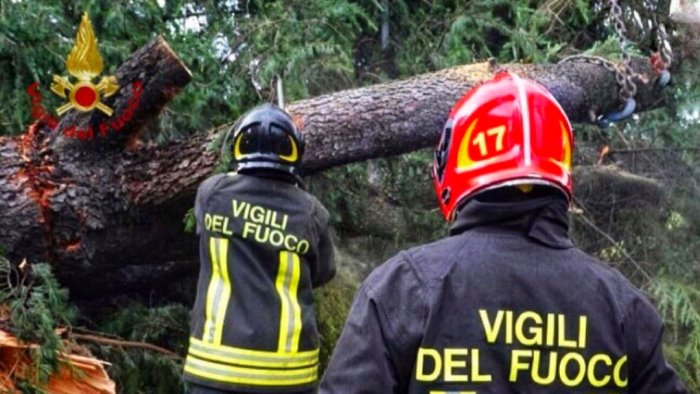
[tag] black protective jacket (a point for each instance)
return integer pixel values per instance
(264, 244)
(506, 304)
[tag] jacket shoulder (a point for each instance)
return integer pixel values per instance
(209, 184)
(400, 296)
(432, 261)
(320, 213)
(600, 269)
(628, 296)
(414, 269)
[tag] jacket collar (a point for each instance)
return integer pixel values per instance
(267, 173)
(543, 219)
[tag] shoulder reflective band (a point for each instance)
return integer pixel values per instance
(290, 314)
(250, 376)
(249, 357)
(219, 291)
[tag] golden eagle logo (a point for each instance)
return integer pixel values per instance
(84, 63)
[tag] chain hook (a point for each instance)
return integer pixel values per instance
(624, 74)
(624, 113)
(662, 58)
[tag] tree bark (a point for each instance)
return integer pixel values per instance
(62, 199)
(148, 80)
(109, 218)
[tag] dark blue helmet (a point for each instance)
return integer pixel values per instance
(266, 138)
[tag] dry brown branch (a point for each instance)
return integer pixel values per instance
(104, 340)
(582, 215)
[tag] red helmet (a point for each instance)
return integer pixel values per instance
(509, 131)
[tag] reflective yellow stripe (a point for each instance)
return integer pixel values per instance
(284, 304)
(296, 308)
(251, 376)
(211, 291)
(247, 357)
(287, 283)
(219, 291)
(226, 291)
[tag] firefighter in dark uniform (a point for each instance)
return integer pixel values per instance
(264, 244)
(506, 303)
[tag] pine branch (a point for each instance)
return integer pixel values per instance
(104, 340)
(612, 240)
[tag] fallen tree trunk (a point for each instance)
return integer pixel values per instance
(62, 199)
(109, 218)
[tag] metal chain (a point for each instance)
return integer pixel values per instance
(662, 42)
(664, 46)
(626, 110)
(623, 71)
(625, 75)
(597, 60)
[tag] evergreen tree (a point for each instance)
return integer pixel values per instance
(235, 50)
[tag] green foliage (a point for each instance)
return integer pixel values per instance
(190, 221)
(36, 312)
(343, 193)
(236, 49)
(38, 306)
(660, 239)
(332, 303)
(390, 198)
(679, 304)
(408, 184)
(309, 44)
(145, 371)
(436, 34)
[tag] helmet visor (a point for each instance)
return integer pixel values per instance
(255, 140)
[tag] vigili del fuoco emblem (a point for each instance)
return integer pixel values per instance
(84, 63)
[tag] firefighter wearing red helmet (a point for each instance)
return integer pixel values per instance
(506, 303)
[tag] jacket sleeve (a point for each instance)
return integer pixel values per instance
(361, 363)
(648, 370)
(203, 193)
(324, 268)
(377, 349)
(199, 208)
